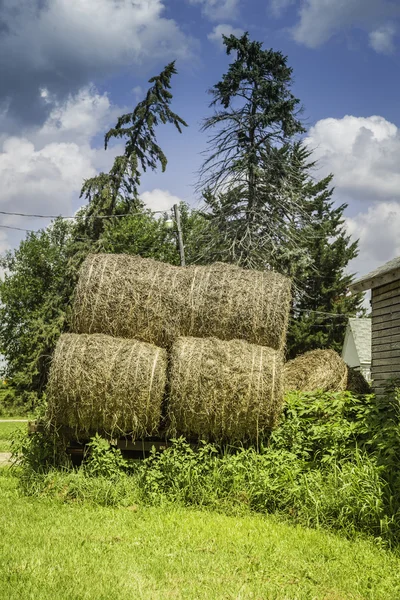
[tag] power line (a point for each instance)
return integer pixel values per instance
(18, 228)
(320, 320)
(37, 216)
(40, 216)
(325, 316)
(314, 278)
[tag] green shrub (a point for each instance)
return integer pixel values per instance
(332, 463)
(322, 427)
(38, 452)
(349, 496)
(10, 403)
(103, 460)
(325, 427)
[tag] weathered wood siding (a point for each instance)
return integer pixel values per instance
(385, 334)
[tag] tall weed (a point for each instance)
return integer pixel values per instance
(346, 496)
(332, 463)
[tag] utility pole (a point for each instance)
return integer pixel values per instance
(180, 236)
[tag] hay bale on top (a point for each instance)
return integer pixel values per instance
(100, 383)
(130, 297)
(133, 297)
(316, 370)
(356, 383)
(223, 390)
(227, 302)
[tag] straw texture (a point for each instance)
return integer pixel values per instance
(224, 390)
(105, 384)
(316, 370)
(133, 297)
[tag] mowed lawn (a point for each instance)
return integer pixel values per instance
(7, 429)
(50, 550)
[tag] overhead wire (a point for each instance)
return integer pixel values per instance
(37, 216)
(318, 312)
(40, 216)
(18, 228)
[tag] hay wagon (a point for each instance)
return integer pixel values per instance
(158, 351)
(76, 446)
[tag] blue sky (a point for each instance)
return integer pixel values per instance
(69, 67)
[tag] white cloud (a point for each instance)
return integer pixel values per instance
(45, 95)
(43, 169)
(378, 232)
(223, 29)
(382, 39)
(95, 31)
(79, 118)
(278, 7)
(159, 199)
(138, 93)
(43, 180)
(362, 153)
(60, 45)
(215, 10)
(320, 20)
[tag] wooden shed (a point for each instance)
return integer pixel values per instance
(384, 284)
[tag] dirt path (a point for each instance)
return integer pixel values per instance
(5, 458)
(14, 420)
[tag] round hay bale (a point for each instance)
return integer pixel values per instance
(356, 383)
(316, 370)
(100, 383)
(134, 297)
(223, 391)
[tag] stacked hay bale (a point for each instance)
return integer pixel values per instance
(316, 370)
(101, 383)
(323, 370)
(224, 390)
(134, 297)
(224, 329)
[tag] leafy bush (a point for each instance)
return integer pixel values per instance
(11, 404)
(350, 496)
(320, 427)
(39, 452)
(331, 463)
(325, 427)
(103, 460)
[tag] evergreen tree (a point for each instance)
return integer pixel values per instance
(322, 303)
(119, 189)
(244, 179)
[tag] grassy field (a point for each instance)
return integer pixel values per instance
(7, 428)
(81, 552)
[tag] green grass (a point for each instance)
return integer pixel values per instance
(7, 430)
(74, 551)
